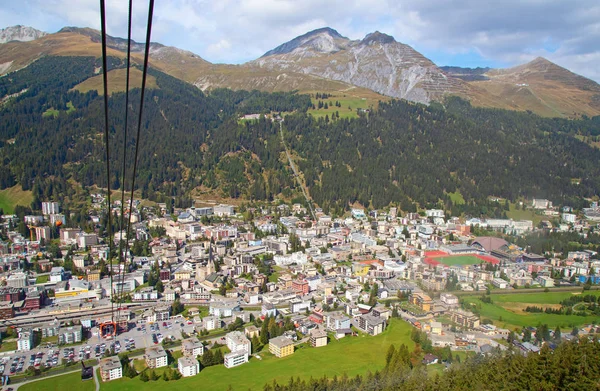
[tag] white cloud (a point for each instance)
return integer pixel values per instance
(510, 31)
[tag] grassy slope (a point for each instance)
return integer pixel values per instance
(71, 382)
(505, 307)
(519, 214)
(116, 81)
(13, 196)
(353, 98)
(350, 355)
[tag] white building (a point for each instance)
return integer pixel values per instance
(25, 341)
(298, 258)
(237, 341)
(223, 210)
(188, 366)
(57, 274)
(110, 369)
(50, 208)
(234, 359)
(569, 217)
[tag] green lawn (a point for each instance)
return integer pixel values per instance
(71, 382)
(51, 112)
(13, 196)
(351, 355)
(8, 346)
(276, 273)
(42, 279)
(348, 104)
(519, 214)
(459, 260)
(456, 198)
(506, 310)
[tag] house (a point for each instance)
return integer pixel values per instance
(234, 359)
(318, 338)
(156, 357)
(430, 359)
(252, 331)
(281, 346)
(191, 347)
(110, 369)
(211, 323)
(370, 324)
(188, 366)
(237, 341)
(436, 328)
(500, 283)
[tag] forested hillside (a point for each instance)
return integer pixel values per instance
(411, 155)
(51, 133)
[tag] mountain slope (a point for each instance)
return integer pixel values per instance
(542, 87)
(376, 62)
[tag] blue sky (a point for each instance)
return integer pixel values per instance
(449, 32)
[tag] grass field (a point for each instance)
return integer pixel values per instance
(8, 346)
(456, 198)
(71, 382)
(13, 196)
(508, 310)
(459, 260)
(42, 279)
(349, 102)
(116, 81)
(519, 214)
(352, 356)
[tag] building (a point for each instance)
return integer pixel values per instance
(237, 341)
(421, 300)
(188, 366)
(25, 341)
(337, 321)
(449, 299)
(17, 280)
(191, 347)
(7, 310)
(234, 359)
(281, 346)
(318, 338)
(464, 318)
(372, 325)
(50, 208)
(301, 287)
(87, 240)
(110, 369)
(57, 274)
(10, 294)
(70, 335)
(156, 357)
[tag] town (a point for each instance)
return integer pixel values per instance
(218, 284)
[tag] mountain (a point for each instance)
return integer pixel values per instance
(374, 68)
(539, 86)
(20, 33)
(467, 74)
(377, 62)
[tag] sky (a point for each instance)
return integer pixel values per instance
(466, 33)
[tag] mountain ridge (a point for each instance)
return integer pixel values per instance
(325, 60)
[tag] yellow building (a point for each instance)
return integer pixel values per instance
(93, 276)
(421, 300)
(281, 346)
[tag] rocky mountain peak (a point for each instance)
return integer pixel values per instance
(323, 40)
(377, 37)
(20, 33)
